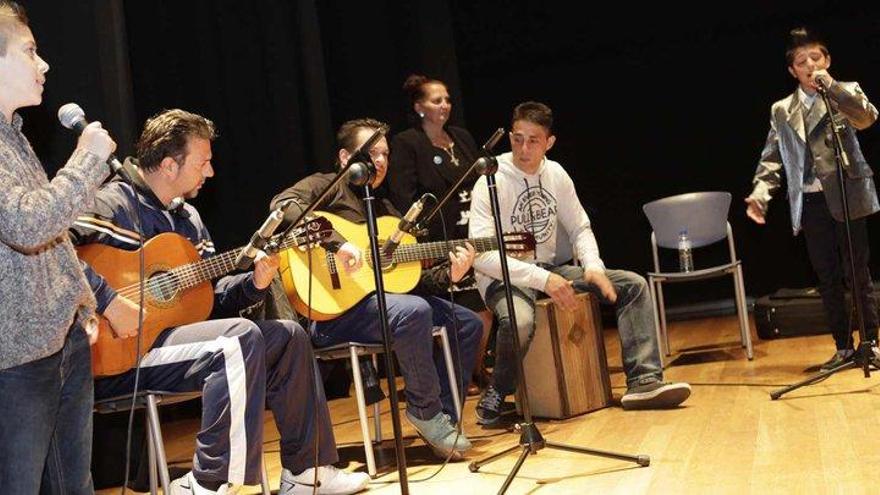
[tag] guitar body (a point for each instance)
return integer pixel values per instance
(171, 307)
(334, 291)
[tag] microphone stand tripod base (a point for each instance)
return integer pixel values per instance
(861, 359)
(531, 441)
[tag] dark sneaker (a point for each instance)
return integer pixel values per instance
(840, 357)
(655, 395)
(492, 406)
(875, 357)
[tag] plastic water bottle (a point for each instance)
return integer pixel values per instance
(685, 258)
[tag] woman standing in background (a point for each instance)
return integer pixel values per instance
(430, 157)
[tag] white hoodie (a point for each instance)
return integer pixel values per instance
(537, 204)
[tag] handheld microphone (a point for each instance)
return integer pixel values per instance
(73, 117)
(405, 225)
(259, 239)
(820, 85)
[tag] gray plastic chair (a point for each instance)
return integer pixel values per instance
(704, 216)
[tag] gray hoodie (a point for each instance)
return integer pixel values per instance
(544, 204)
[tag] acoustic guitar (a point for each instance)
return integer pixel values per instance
(310, 273)
(177, 287)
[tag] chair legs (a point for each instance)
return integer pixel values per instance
(362, 410)
(154, 470)
(156, 449)
(377, 410)
(157, 445)
(652, 285)
(264, 476)
(450, 367)
(361, 401)
(742, 311)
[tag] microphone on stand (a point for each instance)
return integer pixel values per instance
(73, 117)
(493, 140)
(820, 84)
(259, 239)
(406, 224)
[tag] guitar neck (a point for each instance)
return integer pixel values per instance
(434, 250)
(193, 274)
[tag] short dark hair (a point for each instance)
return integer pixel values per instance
(12, 15)
(534, 112)
(166, 133)
(346, 137)
(800, 37)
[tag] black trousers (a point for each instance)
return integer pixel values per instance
(826, 244)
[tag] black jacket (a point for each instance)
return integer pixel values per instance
(417, 167)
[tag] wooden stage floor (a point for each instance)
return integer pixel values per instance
(729, 437)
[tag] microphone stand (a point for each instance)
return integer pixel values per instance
(530, 440)
(360, 160)
(862, 356)
(362, 176)
(376, 262)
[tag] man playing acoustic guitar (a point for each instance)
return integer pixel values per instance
(411, 318)
(238, 365)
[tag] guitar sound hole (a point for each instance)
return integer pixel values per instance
(164, 287)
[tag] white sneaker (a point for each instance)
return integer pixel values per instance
(331, 481)
(187, 485)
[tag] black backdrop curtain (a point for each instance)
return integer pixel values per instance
(649, 101)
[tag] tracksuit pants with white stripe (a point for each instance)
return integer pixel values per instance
(240, 366)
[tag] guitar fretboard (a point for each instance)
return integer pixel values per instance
(192, 274)
(406, 253)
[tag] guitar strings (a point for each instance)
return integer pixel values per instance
(187, 275)
(190, 273)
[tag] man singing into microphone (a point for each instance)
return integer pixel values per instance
(240, 366)
(800, 142)
(411, 318)
(46, 307)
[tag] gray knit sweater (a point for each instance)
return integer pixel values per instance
(42, 286)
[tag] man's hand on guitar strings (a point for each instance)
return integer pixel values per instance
(350, 257)
(461, 258)
(265, 268)
(123, 317)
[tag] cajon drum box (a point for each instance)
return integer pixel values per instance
(566, 369)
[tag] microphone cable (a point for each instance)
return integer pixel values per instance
(137, 220)
(456, 351)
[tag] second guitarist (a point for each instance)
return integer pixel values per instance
(411, 318)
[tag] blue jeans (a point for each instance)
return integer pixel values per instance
(46, 422)
(635, 322)
(411, 320)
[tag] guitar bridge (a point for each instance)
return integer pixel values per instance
(333, 270)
